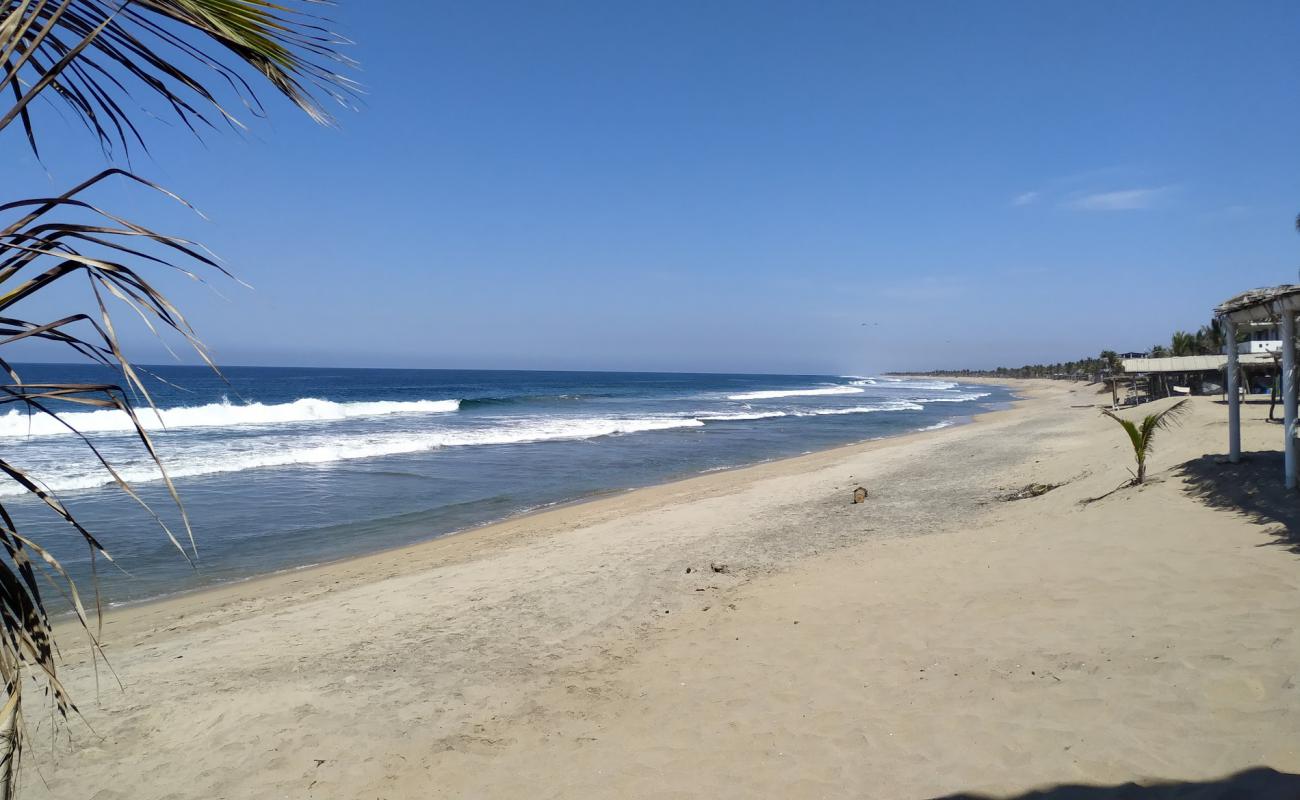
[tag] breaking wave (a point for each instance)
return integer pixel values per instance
(965, 397)
(322, 450)
(770, 395)
(743, 416)
(893, 405)
(216, 415)
(896, 405)
(902, 383)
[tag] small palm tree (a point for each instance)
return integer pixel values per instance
(1142, 434)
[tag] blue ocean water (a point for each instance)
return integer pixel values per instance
(283, 467)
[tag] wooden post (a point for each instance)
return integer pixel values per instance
(1288, 395)
(1234, 398)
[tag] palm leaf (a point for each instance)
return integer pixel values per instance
(1173, 415)
(42, 250)
(100, 59)
(98, 55)
(1134, 434)
(1142, 434)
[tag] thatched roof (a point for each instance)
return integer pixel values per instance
(1264, 298)
(1138, 366)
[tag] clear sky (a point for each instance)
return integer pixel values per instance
(835, 187)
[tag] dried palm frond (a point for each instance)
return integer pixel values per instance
(41, 252)
(101, 58)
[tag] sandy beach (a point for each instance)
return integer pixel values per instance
(749, 633)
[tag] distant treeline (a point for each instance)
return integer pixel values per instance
(1208, 340)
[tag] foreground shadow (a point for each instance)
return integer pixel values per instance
(1252, 488)
(1260, 783)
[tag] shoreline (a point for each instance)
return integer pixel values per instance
(750, 633)
(225, 590)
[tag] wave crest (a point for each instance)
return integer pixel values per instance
(216, 415)
(775, 393)
(891, 405)
(317, 450)
(965, 397)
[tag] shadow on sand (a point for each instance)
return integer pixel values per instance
(1252, 488)
(1260, 783)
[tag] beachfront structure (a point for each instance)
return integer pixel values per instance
(1264, 339)
(1272, 308)
(1204, 374)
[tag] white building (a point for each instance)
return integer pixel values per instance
(1262, 340)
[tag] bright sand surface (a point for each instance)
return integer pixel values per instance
(935, 639)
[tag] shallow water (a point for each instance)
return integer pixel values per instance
(284, 467)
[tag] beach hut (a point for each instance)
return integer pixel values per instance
(1261, 309)
(1172, 375)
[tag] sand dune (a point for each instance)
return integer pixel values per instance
(930, 641)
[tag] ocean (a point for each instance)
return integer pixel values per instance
(285, 467)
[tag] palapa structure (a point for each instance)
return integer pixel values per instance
(1276, 305)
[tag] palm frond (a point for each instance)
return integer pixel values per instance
(1134, 435)
(107, 61)
(97, 55)
(1174, 414)
(45, 245)
(1168, 418)
(1142, 434)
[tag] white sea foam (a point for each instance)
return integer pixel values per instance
(741, 416)
(892, 405)
(210, 460)
(770, 395)
(938, 425)
(216, 415)
(900, 383)
(965, 397)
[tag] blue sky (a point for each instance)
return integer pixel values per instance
(740, 186)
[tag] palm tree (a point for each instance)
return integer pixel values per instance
(1142, 434)
(1183, 344)
(1158, 351)
(101, 58)
(1210, 338)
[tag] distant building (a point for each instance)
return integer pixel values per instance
(1261, 340)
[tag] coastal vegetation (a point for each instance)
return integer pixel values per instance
(106, 65)
(1142, 434)
(1206, 340)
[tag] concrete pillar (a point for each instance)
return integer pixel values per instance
(1234, 398)
(1288, 394)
